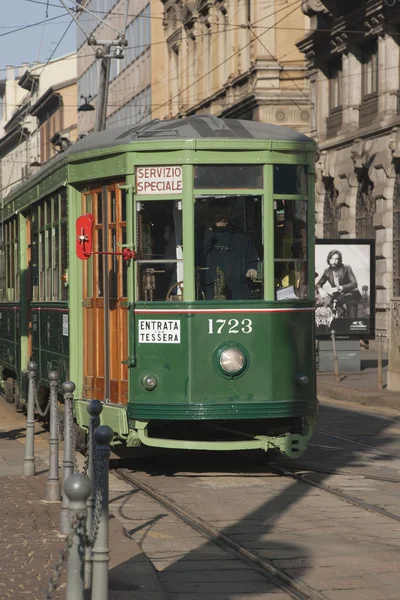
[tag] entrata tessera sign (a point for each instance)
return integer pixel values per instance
(158, 180)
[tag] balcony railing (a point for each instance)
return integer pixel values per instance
(334, 122)
(368, 109)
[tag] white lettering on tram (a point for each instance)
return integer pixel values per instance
(152, 331)
(158, 180)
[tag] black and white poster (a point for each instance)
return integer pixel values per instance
(345, 288)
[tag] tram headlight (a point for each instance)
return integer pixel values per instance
(232, 360)
(149, 382)
(302, 380)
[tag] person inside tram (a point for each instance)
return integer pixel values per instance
(226, 256)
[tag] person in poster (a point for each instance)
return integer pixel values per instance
(343, 285)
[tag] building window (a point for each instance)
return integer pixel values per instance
(335, 84)
(331, 211)
(365, 209)
(370, 69)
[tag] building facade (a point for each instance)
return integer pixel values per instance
(237, 59)
(137, 82)
(353, 61)
(40, 110)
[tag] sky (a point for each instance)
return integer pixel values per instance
(36, 43)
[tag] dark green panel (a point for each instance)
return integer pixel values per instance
(9, 337)
(279, 346)
(50, 344)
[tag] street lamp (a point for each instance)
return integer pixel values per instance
(86, 106)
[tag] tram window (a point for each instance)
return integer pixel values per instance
(290, 179)
(231, 176)
(9, 262)
(64, 258)
(160, 252)
(229, 247)
(290, 227)
(48, 260)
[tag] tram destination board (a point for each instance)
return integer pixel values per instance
(158, 180)
(345, 288)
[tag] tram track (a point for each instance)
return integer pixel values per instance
(343, 438)
(295, 589)
(339, 494)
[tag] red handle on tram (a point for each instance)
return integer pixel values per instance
(84, 240)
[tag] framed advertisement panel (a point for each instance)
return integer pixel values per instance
(345, 289)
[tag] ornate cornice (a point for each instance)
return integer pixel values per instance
(313, 7)
(359, 154)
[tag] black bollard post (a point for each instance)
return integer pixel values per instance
(103, 436)
(94, 409)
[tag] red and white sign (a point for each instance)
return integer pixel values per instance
(158, 180)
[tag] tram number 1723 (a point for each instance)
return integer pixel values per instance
(220, 326)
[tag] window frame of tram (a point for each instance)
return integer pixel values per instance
(289, 190)
(9, 261)
(290, 195)
(93, 203)
(226, 232)
(49, 248)
(162, 267)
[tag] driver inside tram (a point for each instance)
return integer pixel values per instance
(226, 254)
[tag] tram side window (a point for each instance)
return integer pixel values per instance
(9, 262)
(49, 249)
(229, 247)
(160, 251)
(290, 226)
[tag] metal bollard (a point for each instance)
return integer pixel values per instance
(335, 358)
(103, 436)
(77, 488)
(68, 388)
(94, 409)
(53, 488)
(380, 380)
(29, 467)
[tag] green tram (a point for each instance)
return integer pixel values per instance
(168, 270)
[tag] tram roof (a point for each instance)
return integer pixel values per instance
(189, 128)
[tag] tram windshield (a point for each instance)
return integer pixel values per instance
(160, 250)
(229, 247)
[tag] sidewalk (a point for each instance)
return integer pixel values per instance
(29, 537)
(360, 387)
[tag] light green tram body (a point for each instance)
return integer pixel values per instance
(191, 387)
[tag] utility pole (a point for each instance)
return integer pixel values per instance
(105, 53)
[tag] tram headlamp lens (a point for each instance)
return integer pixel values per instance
(302, 380)
(232, 360)
(149, 382)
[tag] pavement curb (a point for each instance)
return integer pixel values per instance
(376, 398)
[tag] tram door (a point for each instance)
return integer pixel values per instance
(105, 316)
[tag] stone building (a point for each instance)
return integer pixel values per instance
(137, 82)
(39, 113)
(237, 59)
(353, 59)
